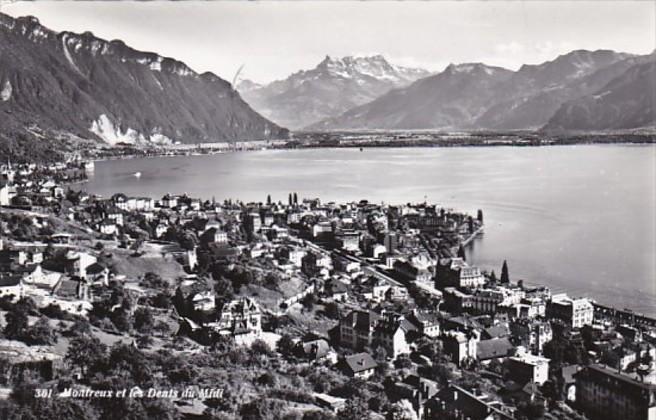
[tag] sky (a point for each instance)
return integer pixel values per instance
(273, 39)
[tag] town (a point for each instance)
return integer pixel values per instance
(294, 308)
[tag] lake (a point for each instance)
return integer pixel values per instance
(576, 218)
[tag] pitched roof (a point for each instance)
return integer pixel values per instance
(360, 362)
(464, 402)
(491, 349)
(316, 348)
(497, 331)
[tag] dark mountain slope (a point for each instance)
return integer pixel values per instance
(626, 102)
(89, 87)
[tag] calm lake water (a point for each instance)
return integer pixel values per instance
(576, 218)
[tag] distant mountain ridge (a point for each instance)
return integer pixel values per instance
(89, 87)
(332, 87)
(476, 96)
(628, 101)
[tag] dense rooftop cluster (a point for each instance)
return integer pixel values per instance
(295, 309)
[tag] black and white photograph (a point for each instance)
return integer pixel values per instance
(327, 210)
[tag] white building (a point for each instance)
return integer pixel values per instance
(575, 312)
(526, 367)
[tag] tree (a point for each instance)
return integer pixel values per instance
(461, 252)
(493, 277)
(87, 353)
(269, 200)
(143, 320)
(16, 323)
(40, 333)
(285, 345)
(332, 310)
(505, 278)
(355, 409)
(260, 347)
(610, 358)
(295, 198)
(479, 216)
(79, 327)
(380, 354)
(121, 320)
(291, 200)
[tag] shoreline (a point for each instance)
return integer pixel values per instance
(209, 151)
(467, 241)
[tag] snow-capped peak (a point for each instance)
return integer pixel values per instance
(375, 66)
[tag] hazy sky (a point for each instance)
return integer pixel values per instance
(275, 38)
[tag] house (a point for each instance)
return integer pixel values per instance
(322, 230)
(293, 255)
(460, 346)
(193, 296)
(455, 272)
(360, 365)
(566, 380)
(454, 402)
(77, 262)
(10, 258)
(604, 393)
(115, 215)
(391, 333)
(410, 272)
(214, 235)
(61, 238)
(396, 293)
(72, 289)
(495, 348)
(7, 193)
(528, 368)
(107, 227)
(532, 334)
(169, 201)
(574, 312)
(356, 329)
(317, 350)
(415, 389)
(374, 288)
(334, 404)
(498, 330)
(427, 323)
(240, 317)
(335, 290)
(348, 240)
(160, 230)
(120, 200)
(314, 263)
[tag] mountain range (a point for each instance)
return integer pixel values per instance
(332, 87)
(104, 90)
(55, 87)
(557, 94)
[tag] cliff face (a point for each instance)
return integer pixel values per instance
(105, 90)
